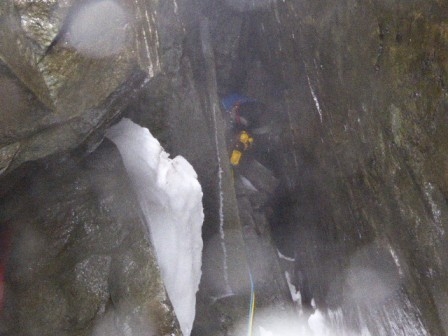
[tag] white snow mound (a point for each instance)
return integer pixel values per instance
(171, 199)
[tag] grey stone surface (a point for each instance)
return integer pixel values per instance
(81, 261)
(356, 101)
(61, 60)
(367, 127)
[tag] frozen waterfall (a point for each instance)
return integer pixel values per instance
(171, 199)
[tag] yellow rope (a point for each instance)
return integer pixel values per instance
(252, 306)
(252, 288)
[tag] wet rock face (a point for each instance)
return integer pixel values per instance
(356, 103)
(356, 94)
(62, 62)
(80, 262)
(363, 89)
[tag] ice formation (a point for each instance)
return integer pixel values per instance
(171, 199)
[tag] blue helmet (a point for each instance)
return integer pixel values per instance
(231, 100)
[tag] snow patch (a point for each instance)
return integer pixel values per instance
(316, 101)
(317, 323)
(282, 256)
(264, 332)
(435, 209)
(171, 200)
(295, 294)
(396, 260)
(248, 184)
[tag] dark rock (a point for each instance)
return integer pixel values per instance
(65, 63)
(365, 121)
(88, 285)
(259, 176)
(358, 93)
(80, 252)
(356, 101)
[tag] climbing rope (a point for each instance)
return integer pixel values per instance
(250, 321)
(251, 305)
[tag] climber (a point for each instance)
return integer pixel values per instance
(242, 114)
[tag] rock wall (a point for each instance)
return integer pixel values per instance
(80, 261)
(156, 80)
(64, 64)
(362, 88)
(356, 98)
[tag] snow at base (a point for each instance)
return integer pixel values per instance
(171, 199)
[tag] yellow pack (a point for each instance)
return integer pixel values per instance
(235, 157)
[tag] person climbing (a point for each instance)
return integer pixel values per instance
(243, 115)
(243, 112)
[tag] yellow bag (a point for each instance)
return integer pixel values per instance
(235, 157)
(244, 142)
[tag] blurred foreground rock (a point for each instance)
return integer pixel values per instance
(81, 262)
(68, 68)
